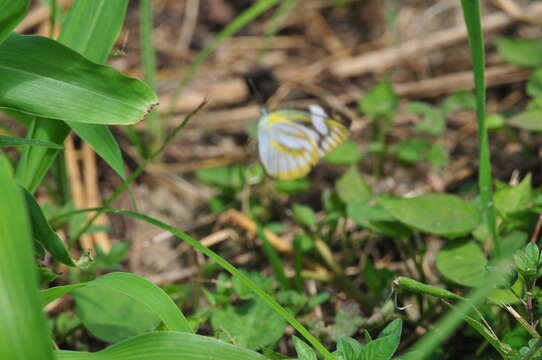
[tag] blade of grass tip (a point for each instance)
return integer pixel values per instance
(285, 8)
(238, 23)
(274, 259)
(153, 124)
(471, 13)
(120, 189)
(234, 272)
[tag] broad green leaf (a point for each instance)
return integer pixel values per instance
(351, 187)
(380, 100)
(432, 118)
(304, 351)
(412, 151)
(114, 320)
(527, 120)
(225, 177)
(13, 141)
(462, 262)
(139, 289)
(521, 52)
(345, 154)
(91, 28)
(43, 232)
(385, 346)
(514, 198)
(291, 187)
(534, 84)
(166, 345)
(304, 215)
(458, 101)
(41, 77)
(23, 329)
(11, 12)
(375, 218)
(438, 214)
(348, 348)
(253, 324)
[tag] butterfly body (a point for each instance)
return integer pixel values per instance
(290, 142)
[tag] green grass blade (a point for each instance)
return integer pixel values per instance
(283, 10)
(43, 232)
(237, 24)
(23, 330)
(11, 12)
(238, 274)
(43, 78)
(167, 345)
(274, 259)
(139, 289)
(91, 28)
(471, 13)
(13, 141)
(153, 124)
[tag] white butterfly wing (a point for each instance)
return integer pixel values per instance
(287, 149)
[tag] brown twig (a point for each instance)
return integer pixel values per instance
(380, 60)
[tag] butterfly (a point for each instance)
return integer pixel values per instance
(290, 142)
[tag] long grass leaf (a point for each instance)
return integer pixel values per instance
(471, 13)
(166, 345)
(23, 330)
(91, 28)
(11, 12)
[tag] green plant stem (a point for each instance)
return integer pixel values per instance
(471, 13)
(153, 123)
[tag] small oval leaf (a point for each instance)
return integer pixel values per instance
(438, 214)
